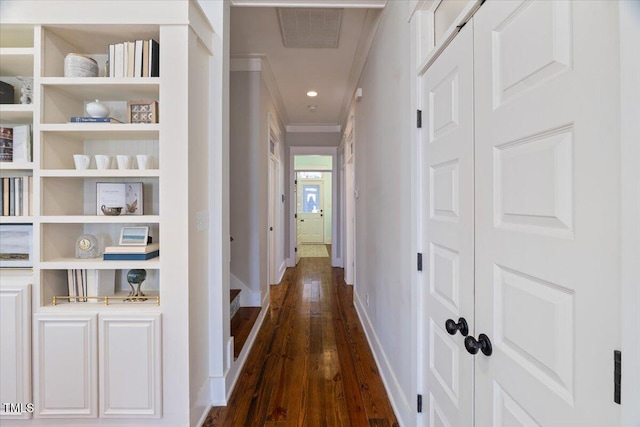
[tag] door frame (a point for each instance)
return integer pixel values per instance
(630, 210)
(322, 151)
(348, 203)
(275, 239)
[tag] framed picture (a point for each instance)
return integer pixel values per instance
(142, 111)
(127, 195)
(16, 245)
(134, 236)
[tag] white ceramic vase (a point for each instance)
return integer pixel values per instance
(79, 65)
(97, 109)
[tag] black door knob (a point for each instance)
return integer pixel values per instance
(483, 344)
(453, 327)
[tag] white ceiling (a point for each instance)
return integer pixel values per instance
(333, 73)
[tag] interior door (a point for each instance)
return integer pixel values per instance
(547, 212)
(310, 211)
(446, 156)
(273, 194)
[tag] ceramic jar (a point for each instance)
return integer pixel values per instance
(97, 109)
(78, 65)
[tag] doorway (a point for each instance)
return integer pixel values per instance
(314, 208)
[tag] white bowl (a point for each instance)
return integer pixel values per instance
(78, 65)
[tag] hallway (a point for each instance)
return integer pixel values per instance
(310, 364)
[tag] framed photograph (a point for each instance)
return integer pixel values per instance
(126, 195)
(16, 245)
(134, 236)
(142, 111)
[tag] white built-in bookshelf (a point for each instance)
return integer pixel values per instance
(94, 334)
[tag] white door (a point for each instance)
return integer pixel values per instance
(547, 212)
(446, 157)
(271, 238)
(310, 211)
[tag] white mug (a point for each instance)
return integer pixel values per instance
(102, 161)
(144, 161)
(124, 162)
(82, 161)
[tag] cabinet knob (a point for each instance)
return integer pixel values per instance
(453, 327)
(482, 344)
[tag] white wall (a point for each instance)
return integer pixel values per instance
(250, 103)
(384, 260)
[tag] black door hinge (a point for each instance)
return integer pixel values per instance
(617, 375)
(419, 119)
(419, 262)
(419, 403)
(295, 249)
(296, 216)
(295, 181)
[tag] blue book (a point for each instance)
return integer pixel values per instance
(94, 120)
(130, 257)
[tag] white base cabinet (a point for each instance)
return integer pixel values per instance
(130, 371)
(70, 351)
(15, 351)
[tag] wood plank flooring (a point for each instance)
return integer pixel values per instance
(310, 364)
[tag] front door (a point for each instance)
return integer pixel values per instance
(446, 157)
(310, 211)
(547, 212)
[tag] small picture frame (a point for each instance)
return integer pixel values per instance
(134, 236)
(16, 245)
(142, 111)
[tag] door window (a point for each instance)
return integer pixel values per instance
(310, 198)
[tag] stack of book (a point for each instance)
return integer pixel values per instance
(131, 253)
(140, 58)
(15, 144)
(84, 283)
(17, 195)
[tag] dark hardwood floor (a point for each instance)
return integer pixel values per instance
(310, 364)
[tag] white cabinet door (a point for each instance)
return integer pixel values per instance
(547, 212)
(65, 369)
(446, 165)
(130, 366)
(15, 351)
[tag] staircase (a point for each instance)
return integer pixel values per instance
(234, 302)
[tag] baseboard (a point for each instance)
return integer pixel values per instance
(202, 405)
(336, 262)
(218, 391)
(291, 262)
(281, 270)
(399, 402)
(234, 372)
(248, 297)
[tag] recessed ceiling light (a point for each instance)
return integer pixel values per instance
(312, 93)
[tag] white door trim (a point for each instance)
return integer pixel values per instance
(629, 14)
(325, 151)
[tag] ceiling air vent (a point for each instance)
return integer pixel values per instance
(310, 28)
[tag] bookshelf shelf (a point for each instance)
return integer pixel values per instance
(103, 131)
(98, 264)
(96, 219)
(16, 61)
(15, 166)
(27, 219)
(104, 88)
(99, 173)
(19, 114)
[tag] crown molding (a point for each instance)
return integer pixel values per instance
(323, 4)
